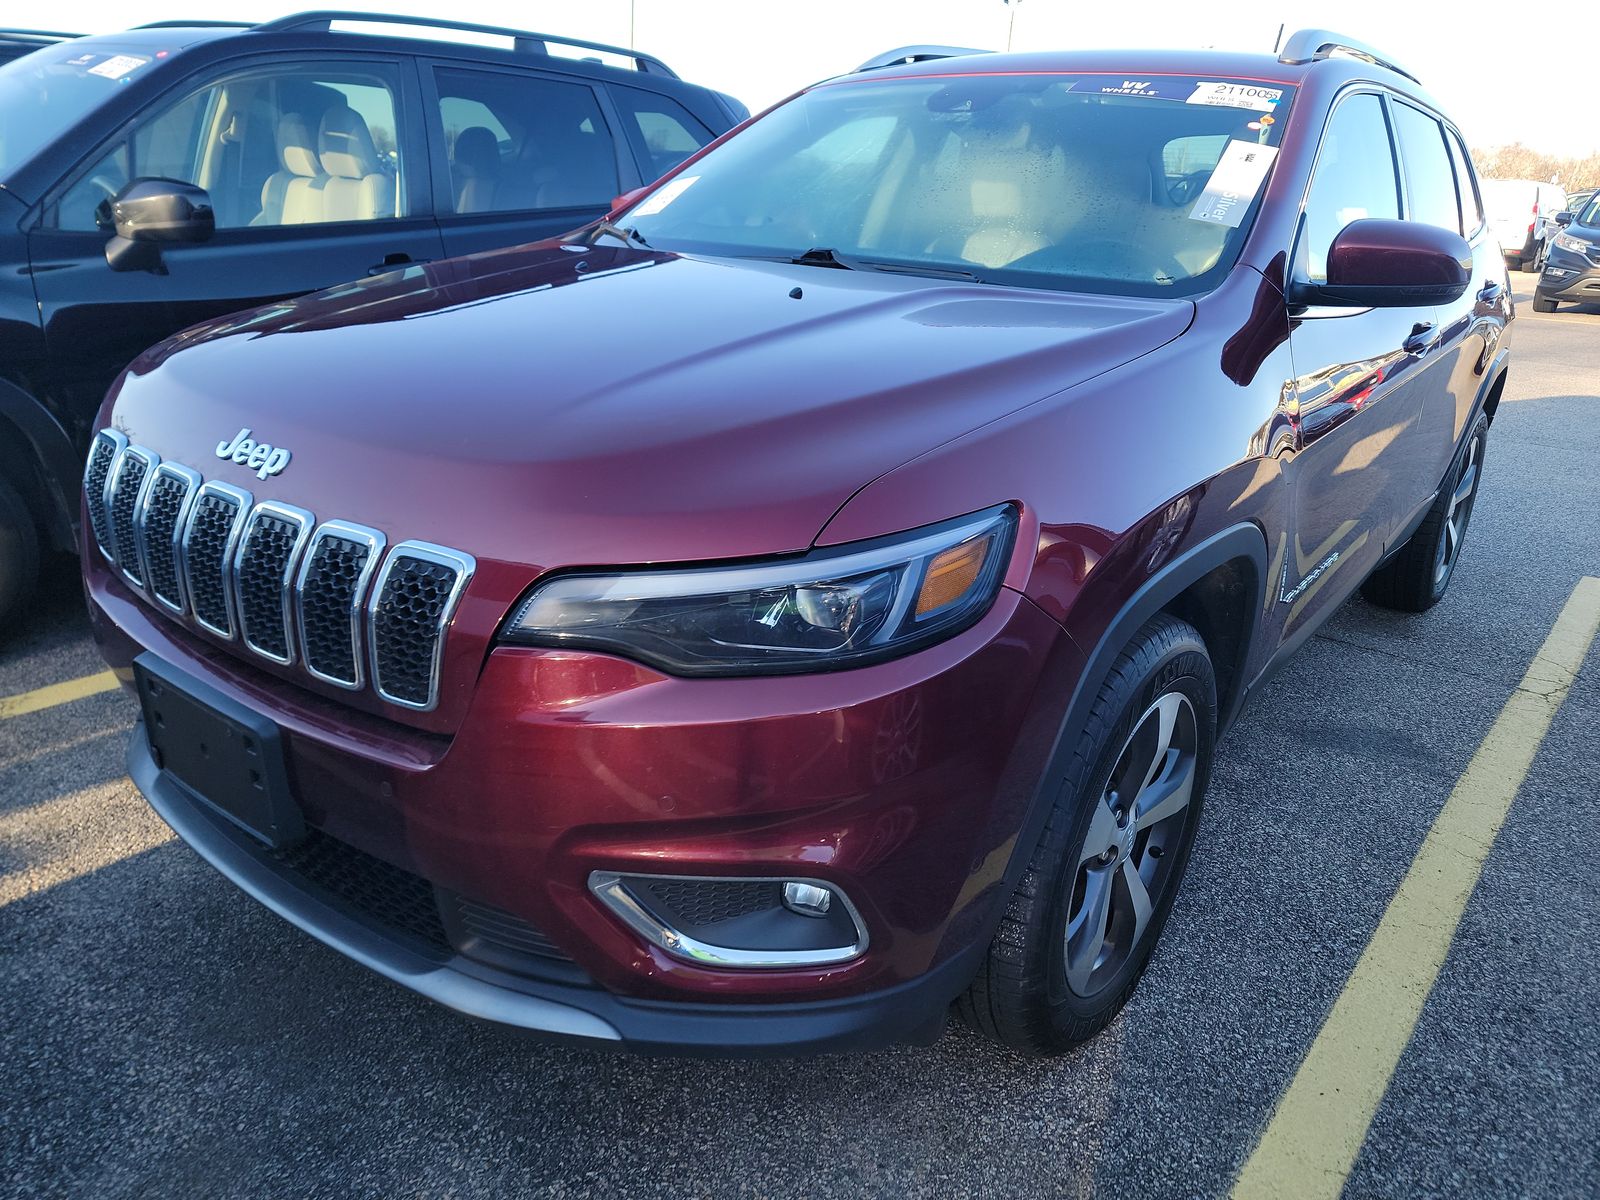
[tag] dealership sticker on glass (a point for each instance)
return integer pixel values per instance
(665, 195)
(1236, 95)
(117, 66)
(1234, 183)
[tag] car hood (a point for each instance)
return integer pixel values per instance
(560, 405)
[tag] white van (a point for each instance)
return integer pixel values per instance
(1522, 214)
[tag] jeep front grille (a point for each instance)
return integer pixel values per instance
(269, 576)
(415, 598)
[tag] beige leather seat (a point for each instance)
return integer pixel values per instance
(357, 189)
(1013, 195)
(475, 165)
(292, 195)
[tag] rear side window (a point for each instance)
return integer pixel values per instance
(666, 133)
(1430, 181)
(1466, 185)
(517, 142)
(1355, 178)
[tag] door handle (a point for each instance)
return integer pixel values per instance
(1490, 292)
(1424, 337)
(398, 259)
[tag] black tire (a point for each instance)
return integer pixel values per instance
(1540, 304)
(1537, 266)
(19, 555)
(1026, 994)
(1415, 578)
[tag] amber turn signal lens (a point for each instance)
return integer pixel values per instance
(952, 573)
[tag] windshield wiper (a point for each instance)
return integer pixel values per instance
(825, 256)
(626, 236)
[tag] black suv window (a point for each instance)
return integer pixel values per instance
(1354, 179)
(1430, 182)
(665, 132)
(517, 142)
(1466, 185)
(285, 145)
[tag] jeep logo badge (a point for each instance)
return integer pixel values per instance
(261, 458)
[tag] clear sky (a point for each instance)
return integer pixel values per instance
(1494, 83)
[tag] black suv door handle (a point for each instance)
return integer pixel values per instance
(1424, 337)
(1489, 293)
(398, 259)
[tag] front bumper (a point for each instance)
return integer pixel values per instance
(905, 784)
(1570, 276)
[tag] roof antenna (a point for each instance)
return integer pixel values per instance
(1278, 43)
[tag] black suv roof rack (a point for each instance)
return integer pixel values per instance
(523, 40)
(42, 34)
(914, 54)
(199, 23)
(1313, 45)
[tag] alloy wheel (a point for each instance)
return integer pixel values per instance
(1128, 855)
(1459, 513)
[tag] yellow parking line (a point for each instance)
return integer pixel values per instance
(56, 693)
(1320, 1123)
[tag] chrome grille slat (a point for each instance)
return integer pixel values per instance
(124, 490)
(209, 541)
(104, 451)
(412, 605)
(163, 515)
(326, 597)
(264, 566)
(338, 566)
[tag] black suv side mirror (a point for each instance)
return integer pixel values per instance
(1565, 218)
(1379, 263)
(149, 212)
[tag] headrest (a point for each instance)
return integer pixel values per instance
(345, 144)
(294, 146)
(476, 153)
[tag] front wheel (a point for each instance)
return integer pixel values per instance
(1543, 304)
(1415, 579)
(1089, 910)
(19, 554)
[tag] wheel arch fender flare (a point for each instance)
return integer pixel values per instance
(34, 448)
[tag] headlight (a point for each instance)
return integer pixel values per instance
(1568, 241)
(842, 607)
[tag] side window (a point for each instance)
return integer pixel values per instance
(272, 146)
(1430, 181)
(515, 142)
(1466, 185)
(1355, 178)
(667, 132)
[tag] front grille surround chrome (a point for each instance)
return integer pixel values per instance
(171, 544)
(464, 566)
(188, 539)
(243, 501)
(104, 452)
(374, 541)
(302, 522)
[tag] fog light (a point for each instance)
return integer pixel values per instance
(807, 899)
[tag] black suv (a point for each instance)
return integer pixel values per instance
(277, 159)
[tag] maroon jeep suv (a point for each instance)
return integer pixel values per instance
(811, 596)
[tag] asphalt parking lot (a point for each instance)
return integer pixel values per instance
(161, 1034)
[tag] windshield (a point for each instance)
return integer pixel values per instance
(45, 93)
(1074, 182)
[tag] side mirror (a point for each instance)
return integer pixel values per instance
(149, 212)
(627, 199)
(1565, 218)
(1379, 263)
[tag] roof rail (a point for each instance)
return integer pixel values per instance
(197, 24)
(524, 41)
(914, 54)
(1313, 45)
(41, 34)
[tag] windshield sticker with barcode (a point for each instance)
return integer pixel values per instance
(1234, 184)
(665, 195)
(117, 66)
(1237, 95)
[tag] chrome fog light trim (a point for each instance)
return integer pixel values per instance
(611, 888)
